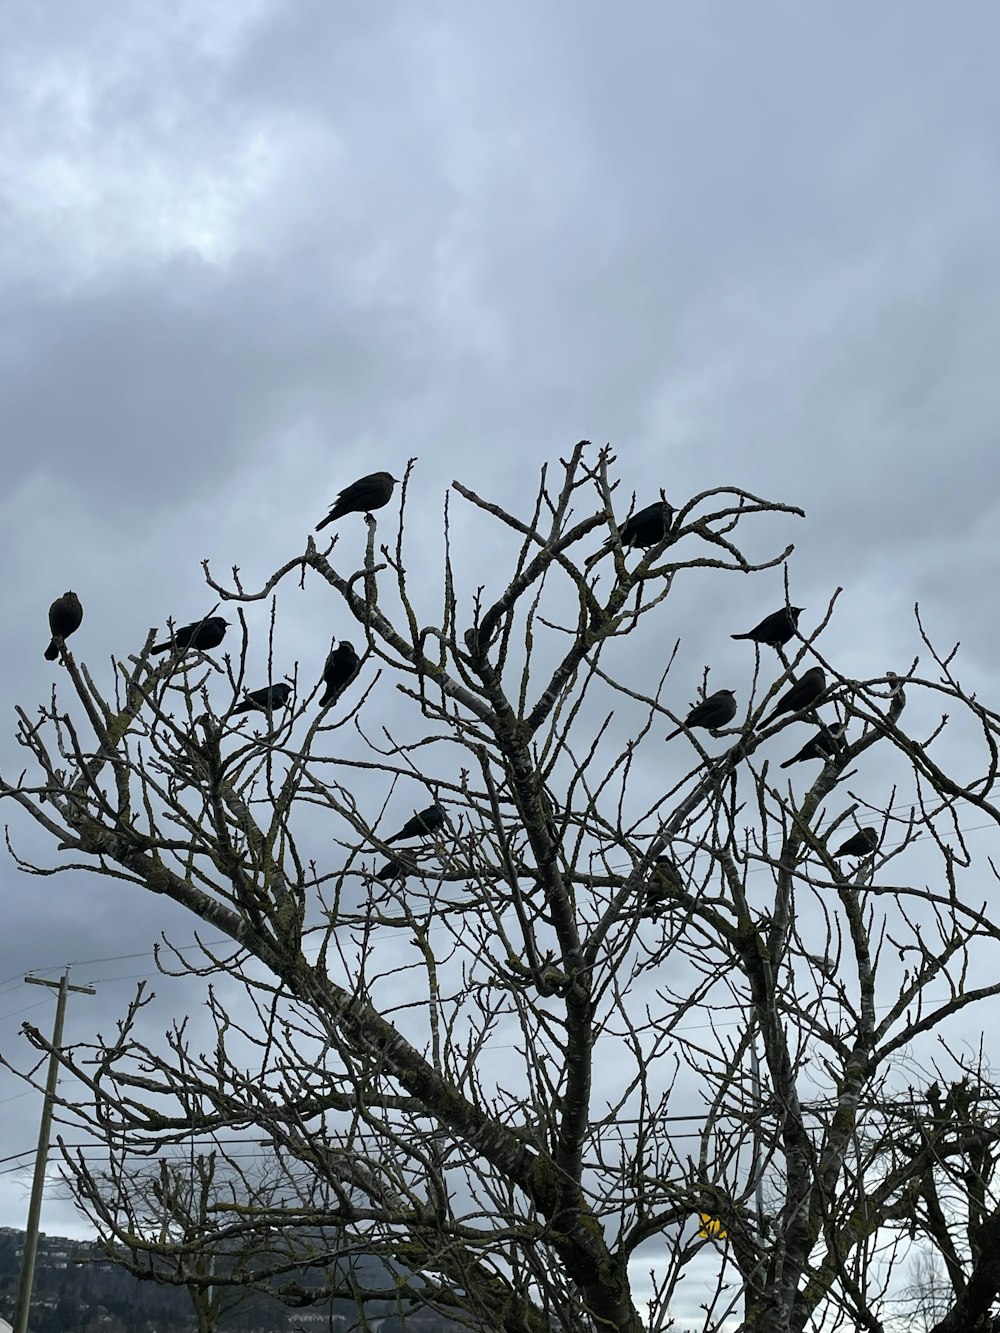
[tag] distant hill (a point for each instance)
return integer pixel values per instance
(78, 1290)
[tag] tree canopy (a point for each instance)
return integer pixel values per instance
(538, 1014)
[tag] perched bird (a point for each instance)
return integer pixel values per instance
(65, 615)
(776, 628)
(267, 699)
(859, 844)
(824, 745)
(362, 496)
(648, 526)
(803, 694)
(713, 712)
(644, 528)
(342, 665)
(422, 825)
(664, 880)
(201, 634)
(395, 868)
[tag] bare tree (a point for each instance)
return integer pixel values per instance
(172, 1206)
(927, 1296)
(620, 1013)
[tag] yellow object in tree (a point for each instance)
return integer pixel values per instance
(711, 1228)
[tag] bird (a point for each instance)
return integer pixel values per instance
(362, 496)
(859, 844)
(713, 712)
(342, 665)
(824, 745)
(643, 529)
(648, 526)
(775, 629)
(65, 616)
(201, 634)
(270, 697)
(803, 694)
(394, 868)
(664, 880)
(421, 825)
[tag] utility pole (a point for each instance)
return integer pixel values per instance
(38, 1181)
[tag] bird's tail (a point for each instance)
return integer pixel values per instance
(52, 651)
(161, 647)
(598, 555)
(673, 734)
(788, 762)
(741, 636)
(329, 519)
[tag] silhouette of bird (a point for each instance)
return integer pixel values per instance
(648, 526)
(644, 528)
(362, 496)
(824, 745)
(342, 665)
(395, 868)
(859, 844)
(803, 694)
(713, 712)
(664, 880)
(270, 697)
(65, 616)
(776, 628)
(421, 825)
(200, 634)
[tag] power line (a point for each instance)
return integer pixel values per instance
(26, 1009)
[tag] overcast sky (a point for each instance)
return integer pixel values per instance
(252, 250)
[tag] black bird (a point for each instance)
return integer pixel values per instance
(713, 712)
(664, 880)
(648, 526)
(65, 616)
(422, 825)
(824, 745)
(267, 699)
(396, 868)
(775, 629)
(645, 528)
(201, 634)
(342, 665)
(803, 694)
(362, 496)
(859, 845)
